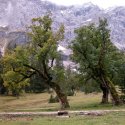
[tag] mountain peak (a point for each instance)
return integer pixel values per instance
(88, 4)
(17, 14)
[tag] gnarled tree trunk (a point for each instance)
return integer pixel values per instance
(113, 92)
(106, 82)
(105, 91)
(62, 97)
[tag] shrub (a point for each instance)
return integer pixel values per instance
(122, 97)
(53, 99)
(70, 93)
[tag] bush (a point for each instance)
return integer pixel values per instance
(122, 97)
(91, 87)
(70, 93)
(53, 99)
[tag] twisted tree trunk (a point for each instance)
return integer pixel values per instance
(62, 97)
(105, 91)
(106, 82)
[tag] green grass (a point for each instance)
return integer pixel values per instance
(115, 118)
(39, 102)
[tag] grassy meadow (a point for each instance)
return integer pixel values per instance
(39, 102)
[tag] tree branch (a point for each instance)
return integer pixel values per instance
(39, 72)
(51, 63)
(19, 71)
(26, 77)
(45, 69)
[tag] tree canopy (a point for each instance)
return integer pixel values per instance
(36, 57)
(97, 56)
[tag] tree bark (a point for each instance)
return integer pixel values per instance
(62, 97)
(105, 91)
(106, 82)
(114, 94)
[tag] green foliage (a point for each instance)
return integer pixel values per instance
(87, 47)
(65, 77)
(13, 82)
(120, 77)
(71, 81)
(34, 58)
(2, 87)
(36, 85)
(59, 70)
(91, 86)
(95, 53)
(70, 92)
(122, 97)
(53, 99)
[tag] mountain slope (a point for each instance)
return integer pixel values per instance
(16, 15)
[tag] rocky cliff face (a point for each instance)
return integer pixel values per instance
(116, 18)
(15, 16)
(11, 39)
